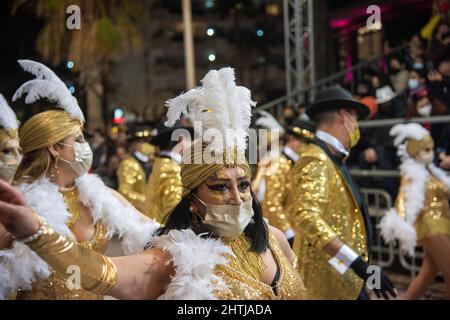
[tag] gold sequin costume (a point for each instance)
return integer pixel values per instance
(164, 188)
(434, 218)
(132, 182)
(278, 188)
(325, 208)
(55, 287)
(243, 285)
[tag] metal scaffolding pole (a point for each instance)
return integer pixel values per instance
(298, 18)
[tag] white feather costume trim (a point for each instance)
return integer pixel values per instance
(194, 259)
(8, 118)
(21, 265)
(417, 174)
(47, 85)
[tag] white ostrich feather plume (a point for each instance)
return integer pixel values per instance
(47, 85)
(268, 121)
(8, 118)
(218, 104)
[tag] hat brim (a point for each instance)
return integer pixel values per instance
(361, 109)
(164, 136)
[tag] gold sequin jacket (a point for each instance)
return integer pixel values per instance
(278, 189)
(325, 208)
(164, 188)
(132, 182)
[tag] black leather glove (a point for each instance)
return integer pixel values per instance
(359, 266)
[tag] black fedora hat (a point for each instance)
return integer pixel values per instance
(162, 134)
(336, 98)
(302, 129)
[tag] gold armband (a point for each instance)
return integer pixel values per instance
(98, 272)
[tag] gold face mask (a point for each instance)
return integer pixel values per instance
(227, 221)
(354, 134)
(8, 166)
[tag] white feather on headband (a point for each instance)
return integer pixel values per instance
(8, 118)
(402, 132)
(218, 104)
(47, 85)
(268, 121)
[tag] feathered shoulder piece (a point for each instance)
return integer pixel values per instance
(49, 86)
(8, 118)
(218, 104)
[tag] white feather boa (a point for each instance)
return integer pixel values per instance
(194, 259)
(19, 265)
(395, 227)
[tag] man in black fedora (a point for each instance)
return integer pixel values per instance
(329, 212)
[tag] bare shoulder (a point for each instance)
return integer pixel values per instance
(283, 243)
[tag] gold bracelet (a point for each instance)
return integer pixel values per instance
(98, 272)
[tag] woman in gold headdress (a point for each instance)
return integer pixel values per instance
(215, 244)
(422, 213)
(53, 177)
(10, 154)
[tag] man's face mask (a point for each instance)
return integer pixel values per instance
(227, 221)
(355, 134)
(8, 166)
(83, 157)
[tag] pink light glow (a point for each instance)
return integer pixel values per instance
(335, 23)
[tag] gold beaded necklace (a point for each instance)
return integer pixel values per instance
(71, 199)
(246, 261)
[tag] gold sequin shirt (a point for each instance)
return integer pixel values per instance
(434, 219)
(242, 285)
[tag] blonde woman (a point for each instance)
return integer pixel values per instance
(53, 176)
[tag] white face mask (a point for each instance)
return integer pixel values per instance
(83, 157)
(8, 166)
(425, 111)
(228, 221)
(425, 157)
(413, 83)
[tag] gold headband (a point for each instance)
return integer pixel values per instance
(46, 129)
(194, 174)
(8, 134)
(415, 146)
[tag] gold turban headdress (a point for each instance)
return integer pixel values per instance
(410, 139)
(50, 127)
(8, 121)
(221, 113)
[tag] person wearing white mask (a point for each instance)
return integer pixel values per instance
(422, 215)
(423, 103)
(214, 244)
(53, 176)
